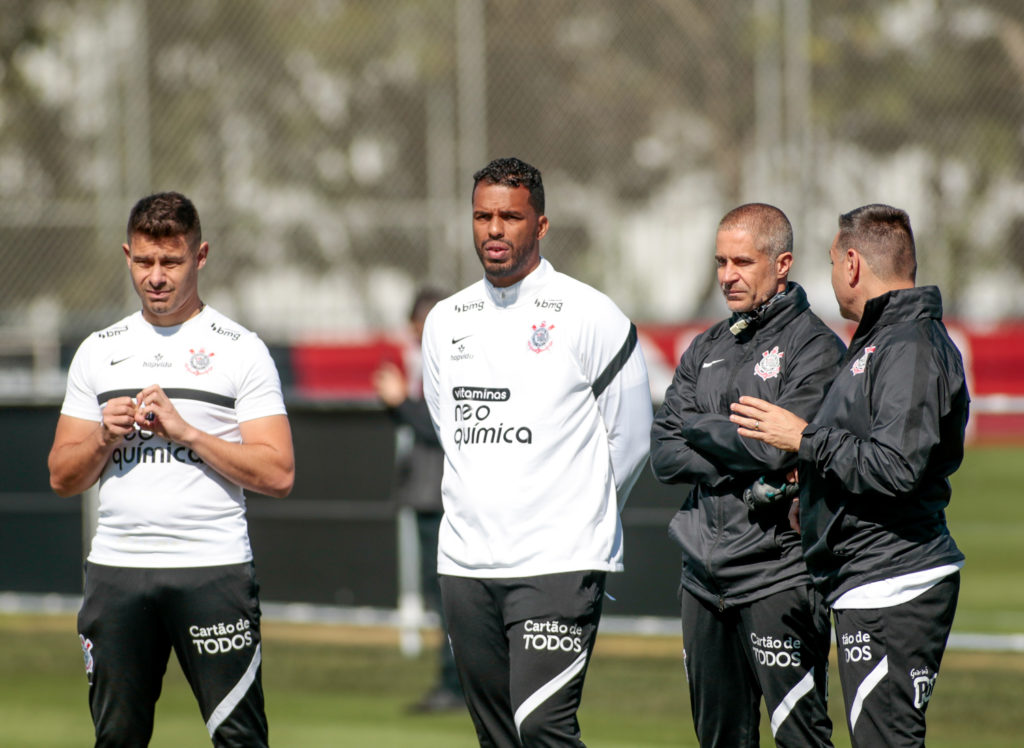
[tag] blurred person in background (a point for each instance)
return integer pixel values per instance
(874, 468)
(753, 624)
(540, 396)
(175, 410)
(418, 485)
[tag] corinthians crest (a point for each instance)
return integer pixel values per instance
(862, 363)
(87, 656)
(540, 340)
(770, 364)
(201, 362)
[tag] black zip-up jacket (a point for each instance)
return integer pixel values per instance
(419, 472)
(875, 460)
(787, 356)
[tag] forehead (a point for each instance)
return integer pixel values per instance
(143, 244)
(736, 243)
(495, 197)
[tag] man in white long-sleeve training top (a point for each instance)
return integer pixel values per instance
(539, 392)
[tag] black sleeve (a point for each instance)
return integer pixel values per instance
(911, 395)
(813, 367)
(416, 414)
(673, 458)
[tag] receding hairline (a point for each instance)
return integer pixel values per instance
(767, 225)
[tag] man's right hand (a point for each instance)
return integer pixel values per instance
(763, 493)
(118, 419)
(390, 384)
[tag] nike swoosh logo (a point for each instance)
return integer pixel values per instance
(120, 360)
(458, 340)
(708, 364)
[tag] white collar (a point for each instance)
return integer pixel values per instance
(528, 287)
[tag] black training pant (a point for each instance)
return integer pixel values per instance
(776, 647)
(131, 619)
(888, 662)
(522, 647)
(428, 525)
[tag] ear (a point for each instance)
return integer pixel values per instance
(542, 226)
(127, 254)
(852, 265)
(783, 264)
(201, 253)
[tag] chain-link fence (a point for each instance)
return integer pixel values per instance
(329, 145)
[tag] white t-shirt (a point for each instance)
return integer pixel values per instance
(537, 467)
(888, 593)
(160, 506)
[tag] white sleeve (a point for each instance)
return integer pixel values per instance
(80, 396)
(259, 393)
(626, 408)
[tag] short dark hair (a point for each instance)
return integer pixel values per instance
(882, 234)
(163, 215)
(511, 172)
(425, 300)
(772, 231)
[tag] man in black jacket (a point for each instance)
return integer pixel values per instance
(753, 624)
(874, 469)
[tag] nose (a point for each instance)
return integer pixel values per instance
(727, 273)
(496, 227)
(157, 276)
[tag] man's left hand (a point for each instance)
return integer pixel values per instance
(761, 420)
(157, 414)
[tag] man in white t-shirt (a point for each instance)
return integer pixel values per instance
(539, 393)
(175, 410)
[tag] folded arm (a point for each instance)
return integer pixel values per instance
(673, 457)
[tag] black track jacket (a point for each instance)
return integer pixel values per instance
(875, 460)
(788, 357)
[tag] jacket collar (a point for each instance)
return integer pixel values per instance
(527, 288)
(902, 305)
(778, 310)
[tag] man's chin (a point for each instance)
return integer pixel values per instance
(160, 311)
(497, 269)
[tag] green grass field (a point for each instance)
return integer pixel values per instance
(986, 516)
(348, 688)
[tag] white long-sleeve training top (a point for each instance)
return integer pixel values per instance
(540, 397)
